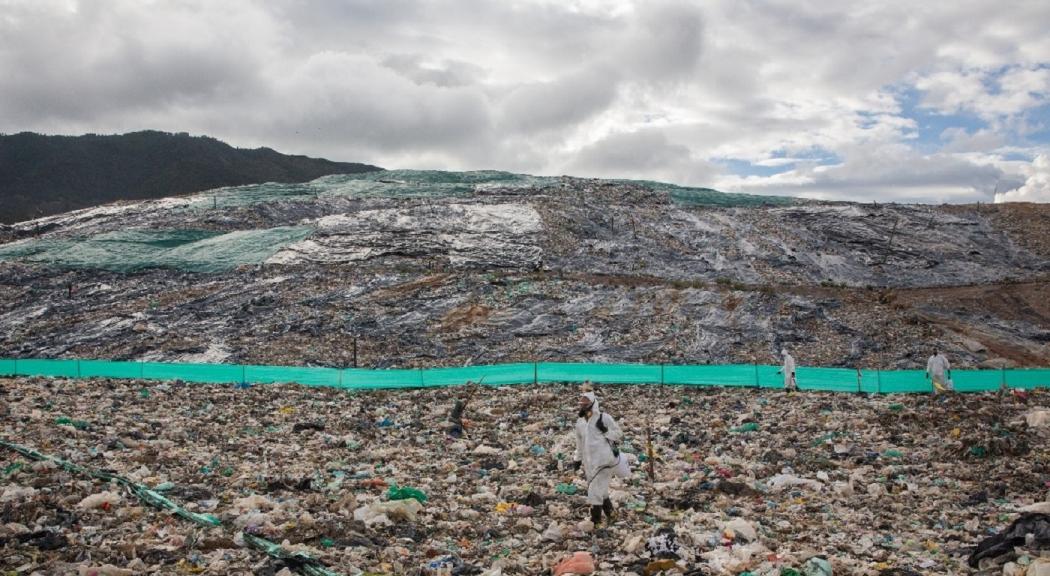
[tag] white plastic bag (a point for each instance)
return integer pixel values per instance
(623, 467)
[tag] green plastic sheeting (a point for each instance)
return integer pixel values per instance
(441, 184)
(710, 197)
(132, 250)
(385, 184)
(739, 375)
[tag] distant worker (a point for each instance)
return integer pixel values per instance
(937, 367)
(596, 434)
(788, 369)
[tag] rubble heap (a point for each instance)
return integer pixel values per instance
(479, 481)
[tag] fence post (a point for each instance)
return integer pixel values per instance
(244, 374)
(878, 381)
(859, 388)
(142, 369)
(78, 368)
(1002, 377)
(758, 384)
(662, 381)
(421, 377)
(535, 372)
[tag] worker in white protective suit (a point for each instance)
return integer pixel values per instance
(936, 369)
(788, 368)
(596, 436)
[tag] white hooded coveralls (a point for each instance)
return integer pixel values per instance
(790, 383)
(936, 366)
(593, 449)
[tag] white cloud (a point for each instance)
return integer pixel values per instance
(657, 89)
(891, 173)
(1036, 187)
(646, 154)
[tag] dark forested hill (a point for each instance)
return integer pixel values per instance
(43, 175)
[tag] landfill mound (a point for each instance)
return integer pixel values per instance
(760, 482)
(423, 269)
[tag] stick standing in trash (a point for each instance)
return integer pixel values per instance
(456, 428)
(596, 435)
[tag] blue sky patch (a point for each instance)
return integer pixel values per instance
(930, 124)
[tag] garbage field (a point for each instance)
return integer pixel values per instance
(121, 477)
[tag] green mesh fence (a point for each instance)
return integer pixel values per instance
(362, 378)
(1031, 378)
(830, 379)
(597, 373)
(331, 377)
(104, 369)
(496, 375)
(740, 375)
(60, 368)
(210, 373)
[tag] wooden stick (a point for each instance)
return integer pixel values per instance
(649, 450)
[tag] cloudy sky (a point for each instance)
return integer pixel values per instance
(875, 100)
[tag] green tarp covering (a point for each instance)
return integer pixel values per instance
(132, 250)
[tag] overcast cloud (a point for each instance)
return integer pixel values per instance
(886, 101)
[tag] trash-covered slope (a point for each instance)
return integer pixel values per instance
(435, 268)
(746, 480)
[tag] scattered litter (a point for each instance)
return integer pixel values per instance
(355, 498)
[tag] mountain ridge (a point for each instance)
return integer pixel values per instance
(42, 175)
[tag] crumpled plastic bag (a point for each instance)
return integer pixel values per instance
(104, 499)
(578, 563)
(781, 481)
(1015, 535)
(1038, 418)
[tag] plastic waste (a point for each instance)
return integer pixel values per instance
(104, 500)
(568, 489)
(658, 566)
(816, 566)
(663, 543)
(405, 492)
(329, 491)
(1038, 418)
(1029, 526)
(104, 570)
(578, 563)
(780, 482)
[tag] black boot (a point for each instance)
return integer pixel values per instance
(596, 515)
(610, 512)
